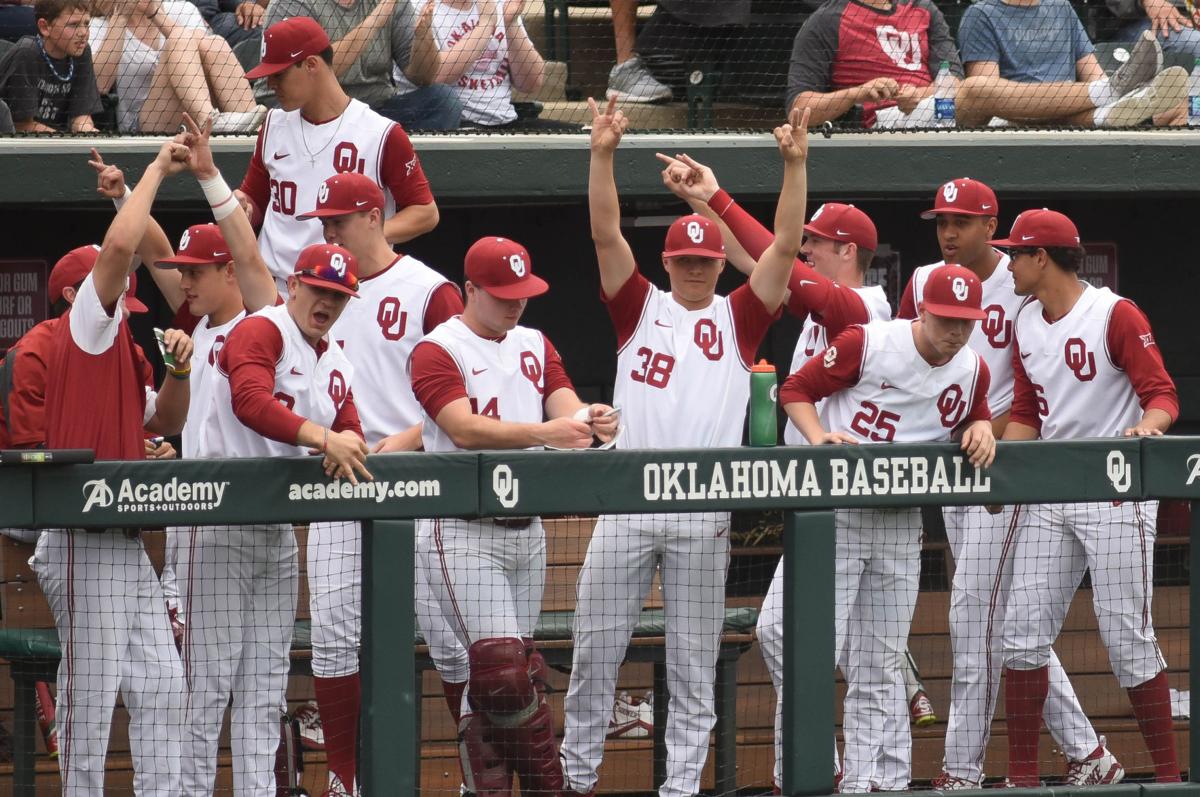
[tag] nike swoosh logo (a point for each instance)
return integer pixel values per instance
(1025, 354)
(1026, 237)
(986, 207)
(887, 386)
(281, 155)
(360, 203)
(293, 55)
(721, 533)
(477, 371)
(802, 283)
(220, 254)
(839, 232)
(658, 323)
(296, 373)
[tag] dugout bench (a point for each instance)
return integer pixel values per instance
(33, 655)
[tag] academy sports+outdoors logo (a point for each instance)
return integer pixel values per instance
(171, 496)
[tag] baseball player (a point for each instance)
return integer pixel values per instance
(400, 301)
(319, 131)
(682, 380)
(890, 381)
(1085, 364)
(484, 382)
(114, 630)
(965, 211)
(826, 292)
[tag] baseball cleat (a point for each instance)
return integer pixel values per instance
(1099, 768)
(921, 710)
(632, 718)
(312, 733)
(1167, 90)
(632, 82)
(948, 782)
(1145, 61)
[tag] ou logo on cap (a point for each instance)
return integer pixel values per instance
(695, 231)
(323, 193)
(185, 239)
(517, 264)
(817, 213)
(959, 286)
(950, 191)
(338, 263)
(263, 54)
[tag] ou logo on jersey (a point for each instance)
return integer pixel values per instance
(337, 388)
(994, 325)
(345, 158)
(1081, 361)
(960, 288)
(951, 406)
(709, 339)
(215, 351)
(695, 232)
(531, 367)
(902, 47)
(950, 192)
(391, 319)
(517, 264)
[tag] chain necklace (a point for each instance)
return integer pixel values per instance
(312, 156)
(50, 63)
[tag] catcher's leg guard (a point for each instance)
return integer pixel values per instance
(539, 672)
(532, 750)
(483, 766)
(499, 681)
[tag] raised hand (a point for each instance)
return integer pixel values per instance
(110, 180)
(200, 159)
(793, 137)
(172, 157)
(607, 127)
(688, 179)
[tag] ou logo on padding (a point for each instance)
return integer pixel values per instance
(695, 231)
(338, 263)
(517, 264)
(959, 286)
(1119, 472)
(950, 191)
(323, 193)
(185, 239)
(505, 486)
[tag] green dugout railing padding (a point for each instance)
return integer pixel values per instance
(807, 481)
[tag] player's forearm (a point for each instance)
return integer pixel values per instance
(604, 205)
(348, 49)
(803, 415)
(478, 432)
(563, 403)
(411, 222)
(1015, 430)
(826, 106)
(1156, 419)
(171, 409)
(123, 237)
(254, 278)
(155, 247)
(789, 211)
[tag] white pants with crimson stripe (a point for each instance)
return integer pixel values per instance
(984, 546)
(238, 589)
(693, 553)
(115, 636)
(1057, 543)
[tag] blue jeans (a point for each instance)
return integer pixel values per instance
(1185, 43)
(435, 107)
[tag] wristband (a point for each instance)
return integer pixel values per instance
(120, 201)
(182, 373)
(325, 441)
(220, 198)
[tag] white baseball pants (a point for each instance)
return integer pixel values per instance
(238, 587)
(693, 552)
(1057, 543)
(112, 625)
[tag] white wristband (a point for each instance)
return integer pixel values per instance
(120, 201)
(220, 198)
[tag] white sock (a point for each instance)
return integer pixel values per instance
(1101, 92)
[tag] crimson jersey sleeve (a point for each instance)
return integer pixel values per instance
(257, 183)
(445, 303)
(749, 231)
(1134, 351)
(908, 301)
(1026, 402)
(249, 357)
(837, 368)
(401, 171)
(751, 320)
(554, 375)
(834, 305)
(27, 401)
(625, 307)
(979, 411)
(436, 380)
(347, 419)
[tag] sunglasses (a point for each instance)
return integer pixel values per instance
(330, 273)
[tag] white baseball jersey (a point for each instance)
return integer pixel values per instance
(378, 331)
(505, 379)
(993, 336)
(312, 387)
(298, 157)
(900, 397)
(1070, 366)
(207, 342)
(814, 338)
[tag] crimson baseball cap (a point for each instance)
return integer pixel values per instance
(73, 268)
(289, 41)
(504, 269)
(200, 245)
(345, 193)
(964, 197)
(954, 292)
(694, 235)
(844, 223)
(328, 266)
(1041, 228)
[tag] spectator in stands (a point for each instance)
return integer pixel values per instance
(48, 80)
(369, 38)
(1042, 44)
(1172, 23)
(885, 56)
(163, 62)
(17, 20)
(629, 80)
(483, 52)
(235, 21)
(6, 120)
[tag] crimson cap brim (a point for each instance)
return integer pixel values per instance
(265, 68)
(954, 311)
(317, 282)
(525, 289)
(695, 251)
